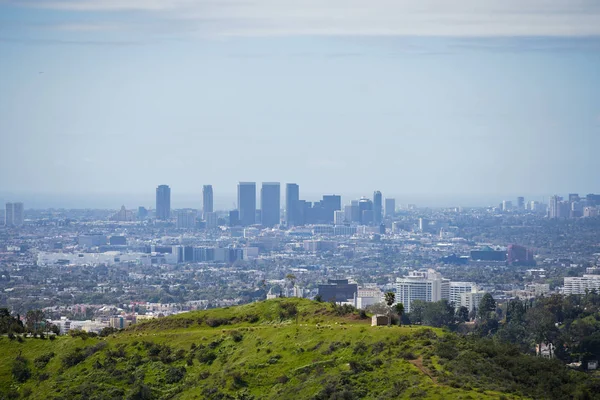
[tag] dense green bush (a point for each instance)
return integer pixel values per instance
(80, 354)
(41, 361)
(20, 369)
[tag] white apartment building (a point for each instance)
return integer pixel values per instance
(339, 217)
(368, 296)
(471, 300)
(458, 288)
(421, 285)
(578, 284)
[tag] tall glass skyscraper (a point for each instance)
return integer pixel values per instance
(163, 202)
(270, 203)
(390, 207)
(377, 207)
(207, 200)
(292, 204)
(247, 203)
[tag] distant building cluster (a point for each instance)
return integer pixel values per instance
(430, 286)
(424, 285)
(581, 284)
(268, 213)
(574, 206)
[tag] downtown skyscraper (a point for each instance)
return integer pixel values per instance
(377, 207)
(163, 202)
(246, 202)
(292, 204)
(270, 203)
(390, 207)
(207, 200)
(13, 214)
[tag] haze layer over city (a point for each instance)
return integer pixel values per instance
(329, 199)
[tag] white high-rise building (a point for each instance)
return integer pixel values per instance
(421, 285)
(471, 300)
(578, 284)
(458, 288)
(339, 217)
(558, 208)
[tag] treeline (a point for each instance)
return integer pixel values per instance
(567, 326)
(35, 324)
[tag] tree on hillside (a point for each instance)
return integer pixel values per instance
(8, 323)
(486, 306)
(462, 314)
(540, 324)
(34, 319)
(399, 308)
(439, 314)
(515, 311)
(390, 298)
(417, 308)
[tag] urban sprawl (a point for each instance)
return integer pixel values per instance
(89, 269)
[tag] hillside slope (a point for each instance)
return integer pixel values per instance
(278, 349)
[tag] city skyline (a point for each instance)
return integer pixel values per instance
(227, 200)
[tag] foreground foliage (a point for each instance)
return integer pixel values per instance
(279, 349)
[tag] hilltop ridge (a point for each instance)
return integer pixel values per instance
(278, 349)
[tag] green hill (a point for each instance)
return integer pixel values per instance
(278, 349)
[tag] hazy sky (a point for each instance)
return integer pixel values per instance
(427, 97)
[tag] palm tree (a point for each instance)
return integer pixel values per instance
(390, 298)
(399, 308)
(291, 279)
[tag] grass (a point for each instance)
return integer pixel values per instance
(277, 349)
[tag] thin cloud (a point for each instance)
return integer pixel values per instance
(459, 18)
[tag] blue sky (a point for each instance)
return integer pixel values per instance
(417, 99)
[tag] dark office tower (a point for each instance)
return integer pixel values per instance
(365, 204)
(521, 203)
(593, 199)
(234, 218)
(377, 207)
(270, 204)
(292, 204)
(247, 203)
(9, 215)
(330, 204)
(163, 202)
(142, 212)
(303, 212)
(573, 197)
(355, 211)
(390, 207)
(207, 200)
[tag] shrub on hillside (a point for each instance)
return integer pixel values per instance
(206, 356)
(236, 336)
(79, 355)
(20, 369)
(216, 322)
(174, 374)
(41, 361)
(287, 311)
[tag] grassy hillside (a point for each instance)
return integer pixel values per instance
(277, 349)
